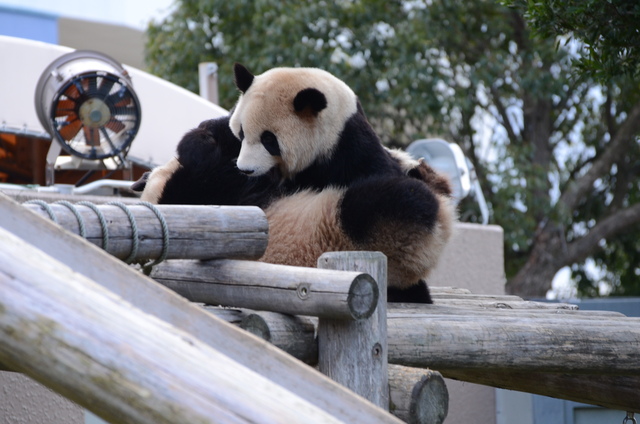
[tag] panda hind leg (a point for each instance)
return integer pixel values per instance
(418, 293)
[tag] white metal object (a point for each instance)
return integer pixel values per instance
(448, 159)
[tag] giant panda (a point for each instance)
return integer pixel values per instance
(307, 155)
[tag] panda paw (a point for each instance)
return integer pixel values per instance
(418, 293)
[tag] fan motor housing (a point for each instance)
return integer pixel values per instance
(85, 100)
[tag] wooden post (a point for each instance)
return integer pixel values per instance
(269, 287)
(417, 396)
(354, 353)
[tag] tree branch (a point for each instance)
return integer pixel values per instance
(601, 166)
(513, 138)
(586, 246)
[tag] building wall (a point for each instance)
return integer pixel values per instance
(473, 260)
(27, 24)
(124, 44)
(24, 401)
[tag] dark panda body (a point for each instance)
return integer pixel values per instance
(204, 172)
(322, 176)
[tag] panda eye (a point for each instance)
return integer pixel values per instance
(270, 142)
(241, 134)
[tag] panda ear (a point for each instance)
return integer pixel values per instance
(244, 78)
(310, 99)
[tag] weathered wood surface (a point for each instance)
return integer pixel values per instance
(354, 353)
(417, 396)
(22, 196)
(451, 354)
(279, 288)
(154, 299)
(511, 343)
(614, 392)
(397, 309)
(76, 337)
(296, 335)
(195, 232)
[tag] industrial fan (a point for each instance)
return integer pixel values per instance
(85, 100)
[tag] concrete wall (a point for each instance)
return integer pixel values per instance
(473, 260)
(24, 401)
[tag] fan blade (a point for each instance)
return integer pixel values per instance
(72, 92)
(120, 98)
(92, 84)
(66, 108)
(115, 125)
(91, 136)
(69, 129)
(105, 86)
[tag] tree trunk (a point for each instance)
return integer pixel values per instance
(546, 258)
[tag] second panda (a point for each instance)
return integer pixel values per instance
(307, 155)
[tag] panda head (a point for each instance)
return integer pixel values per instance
(288, 118)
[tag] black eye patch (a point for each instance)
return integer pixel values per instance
(270, 142)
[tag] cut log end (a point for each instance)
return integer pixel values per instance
(363, 296)
(256, 325)
(429, 400)
(418, 395)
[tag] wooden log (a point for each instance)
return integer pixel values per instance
(296, 335)
(195, 232)
(154, 299)
(417, 396)
(614, 392)
(611, 391)
(506, 343)
(22, 196)
(64, 330)
(550, 315)
(269, 287)
(354, 353)
(487, 303)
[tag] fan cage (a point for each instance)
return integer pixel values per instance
(95, 115)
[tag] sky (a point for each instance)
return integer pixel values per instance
(133, 13)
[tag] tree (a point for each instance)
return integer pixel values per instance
(556, 151)
(608, 31)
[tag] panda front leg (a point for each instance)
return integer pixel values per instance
(404, 219)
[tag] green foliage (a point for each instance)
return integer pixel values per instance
(610, 31)
(467, 71)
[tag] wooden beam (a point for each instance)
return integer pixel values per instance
(269, 287)
(195, 232)
(154, 299)
(76, 337)
(614, 392)
(606, 347)
(415, 395)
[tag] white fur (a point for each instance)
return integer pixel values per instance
(158, 179)
(267, 105)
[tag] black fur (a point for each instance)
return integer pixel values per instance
(369, 202)
(311, 100)
(358, 154)
(243, 77)
(209, 176)
(270, 142)
(418, 293)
